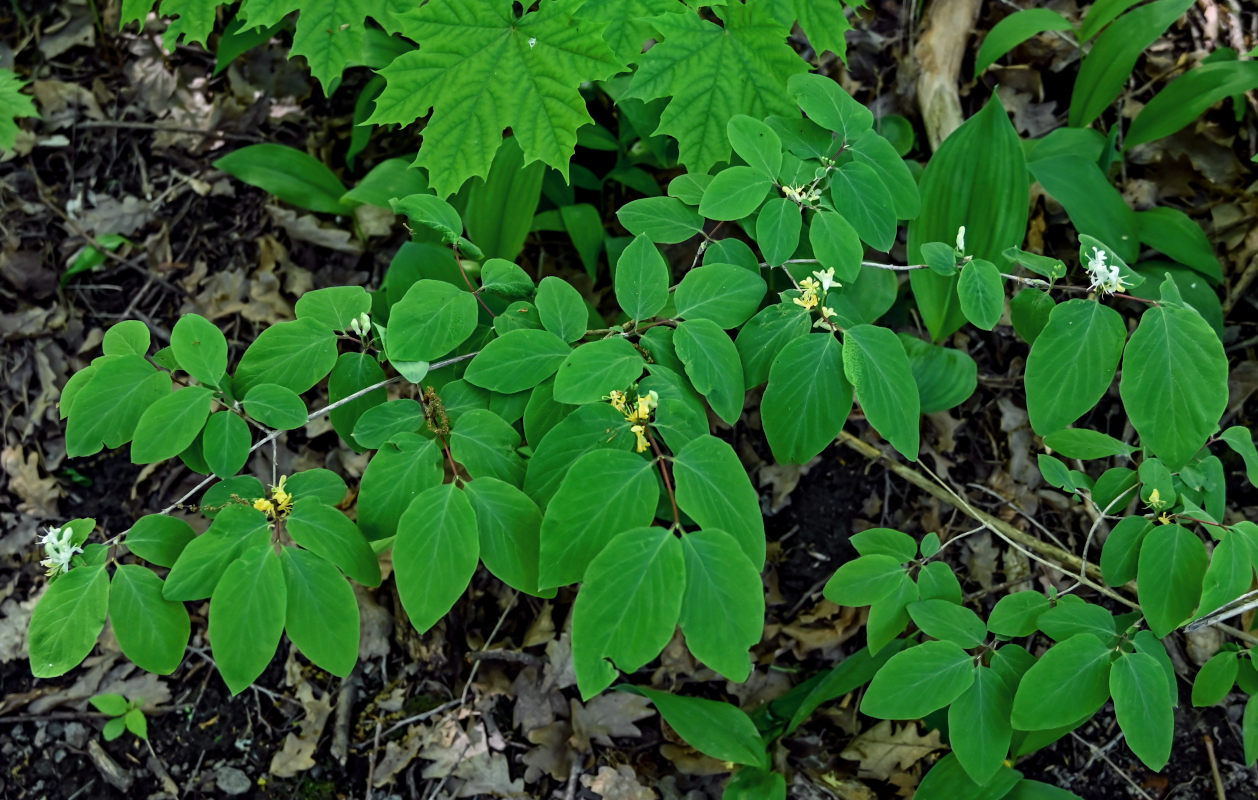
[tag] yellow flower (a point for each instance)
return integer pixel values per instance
(643, 445)
(617, 399)
(1155, 498)
(265, 506)
(280, 504)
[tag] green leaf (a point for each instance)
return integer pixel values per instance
(1085, 444)
(865, 580)
(836, 244)
(712, 72)
(289, 174)
(713, 366)
(976, 178)
(390, 178)
(1187, 98)
(919, 680)
(681, 416)
(1229, 574)
(67, 620)
(200, 348)
(1072, 363)
(663, 220)
(1017, 614)
(1145, 717)
(1215, 679)
(948, 779)
(169, 426)
(590, 427)
(877, 366)
(981, 292)
(885, 541)
(592, 370)
(945, 377)
(247, 616)
(159, 539)
(802, 417)
(1102, 13)
(321, 612)
(113, 729)
(628, 606)
(15, 104)
(1113, 56)
(321, 485)
(871, 149)
(457, 76)
(1051, 268)
(858, 193)
(295, 355)
(381, 423)
(331, 535)
(504, 278)
(716, 729)
(201, 563)
(714, 489)
(436, 553)
(500, 209)
(734, 193)
(1171, 231)
(275, 406)
(1068, 684)
(888, 617)
(724, 293)
(236, 490)
(225, 442)
(828, 105)
(1172, 564)
(402, 469)
(509, 523)
(152, 631)
(1095, 207)
(429, 211)
(978, 725)
(517, 360)
(353, 373)
(486, 446)
(127, 338)
(430, 320)
(1015, 29)
(722, 613)
(1071, 616)
(1174, 383)
(1249, 730)
(756, 143)
(107, 408)
(753, 783)
(335, 306)
(763, 336)
(642, 279)
(114, 705)
(949, 622)
(561, 308)
(604, 493)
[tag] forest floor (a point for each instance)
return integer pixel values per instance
(485, 705)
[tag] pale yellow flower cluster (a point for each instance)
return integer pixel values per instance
(812, 290)
(279, 505)
(637, 413)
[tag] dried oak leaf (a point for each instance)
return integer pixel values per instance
(884, 750)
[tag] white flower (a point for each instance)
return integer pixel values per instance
(826, 276)
(59, 547)
(1105, 277)
(361, 325)
(961, 239)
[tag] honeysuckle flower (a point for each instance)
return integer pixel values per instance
(643, 445)
(824, 321)
(265, 506)
(361, 325)
(281, 501)
(961, 239)
(617, 399)
(1105, 277)
(809, 289)
(803, 195)
(826, 276)
(643, 408)
(1155, 498)
(59, 548)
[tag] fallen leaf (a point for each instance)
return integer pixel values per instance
(620, 783)
(297, 753)
(605, 716)
(38, 495)
(885, 750)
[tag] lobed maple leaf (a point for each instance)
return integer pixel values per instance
(481, 69)
(822, 21)
(712, 73)
(628, 22)
(193, 19)
(13, 104)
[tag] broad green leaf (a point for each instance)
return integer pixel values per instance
(642, 279)
(663, 220)
(724, 293)
(335, 306)
(976, 178)
(1215, 679)
(605, 493)
(945, 377)
(734, 193)
(937, 581)
(763, 336)
(713, 366)
(876, 365)
(825, 29)
(1171, 231)
(859, 194)
(688, 187)
(1149, 644)
(1229, 575)
(885, 541)
(500, 209)
(289, 174)
(1072, 363)
(1114, 488)
(1186, 98)
(865, 580)
(1172, 564)
(109, 405)
(321, 485)
(1017, 614)
(947, 621)
(1144, 715)
(67, 620)
(432, 319)
(1249, 730)
(234, 491)
(978, 725)
(353, 373)
(457, 75)
(381, 423)
(1072, 615)
(828, 105)
(1069, 683)
(628, 607)
(1028, 311)
(716, 729)
(589, 427)
(509, 523)
(159, 539)
(429, 211)
(436, 553)
(1109, 63)
(722, 613)
(295, 355)
(919, 680)
(981, 292)
(756, 143)
(754, 783)
(169, 426)
(399, 472)
(1174, 384)
(836, 244)
(247, 616)
(888, 617)
(390, 178)
(127, 338)
(504, 278)
(200, 348)
(948, 779)
(865, 299)
(1015, 29)
(1095, 207)
(201, 563)
(711, 73)
(873, 150)
(561, 308)
(714, 490)
(225, 441)
(517, 360)
(275, 406)
(321, 612)
(1085, 444)
(589, 372)
(681, 416)
(152, 631)
(329, 534)
(486, 446)
(802, 417)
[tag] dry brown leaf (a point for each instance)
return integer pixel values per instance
(884, 750)
(607, 715)
(308, 228)
(38, 495)
(467, 755)
(551, 756)
(297, 753)
(398, 755)
(620, 783)
(980, 558)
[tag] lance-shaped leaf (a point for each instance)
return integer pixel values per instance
(436, 553)
(876, 364)
(1143, 710)
(722, 612)
(714, 490)
(642, 279)
(247, 615)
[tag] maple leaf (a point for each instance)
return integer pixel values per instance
(822, 21)
(13, 104)
(713, 72)
(193, 19)
(481, 69)
(628, 22)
